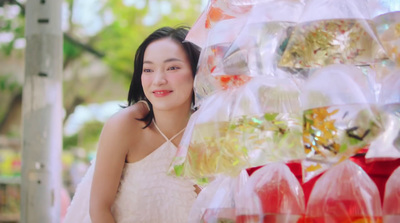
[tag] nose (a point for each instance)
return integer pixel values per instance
(159, 78)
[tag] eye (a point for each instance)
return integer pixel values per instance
(173, 68)
(146, 70)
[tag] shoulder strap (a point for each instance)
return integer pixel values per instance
(165, 137)
(146, 103)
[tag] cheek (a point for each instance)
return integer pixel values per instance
(146, 81)
(188, 83)
(187, 79)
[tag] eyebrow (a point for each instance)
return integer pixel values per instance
(165, 61)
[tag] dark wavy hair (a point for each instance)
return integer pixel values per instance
(178, 34)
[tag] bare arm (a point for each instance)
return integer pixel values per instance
(110, 160)
(115, 140)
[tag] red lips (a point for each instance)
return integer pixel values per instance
(161, 93)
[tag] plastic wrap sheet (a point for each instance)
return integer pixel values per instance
(345, 193)
(333, 32)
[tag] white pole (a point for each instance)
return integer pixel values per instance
(42, 114)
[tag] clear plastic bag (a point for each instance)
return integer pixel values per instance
(333, 32)
(208, 78)
(215, 12)
(340, 116)
(267, 115)
(247, 43)
(217, 202)
(177, 167)
(387, 144)
(272, 194)
(261, 42)
(211, 149)
(387, 25)
(248, 207)
(257, 123)
(391, 202)
(345, 193)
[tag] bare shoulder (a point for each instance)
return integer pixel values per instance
(122, 130)
(127, 119)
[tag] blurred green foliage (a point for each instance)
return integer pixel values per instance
(86, 138)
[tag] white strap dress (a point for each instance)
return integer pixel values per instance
(146, 192)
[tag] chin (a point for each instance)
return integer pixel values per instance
(163, 106)
(168, 106)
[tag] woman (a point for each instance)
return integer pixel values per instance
(137, 145)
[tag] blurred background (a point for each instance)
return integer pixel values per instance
(100, 39)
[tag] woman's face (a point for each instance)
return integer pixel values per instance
(167, 78)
